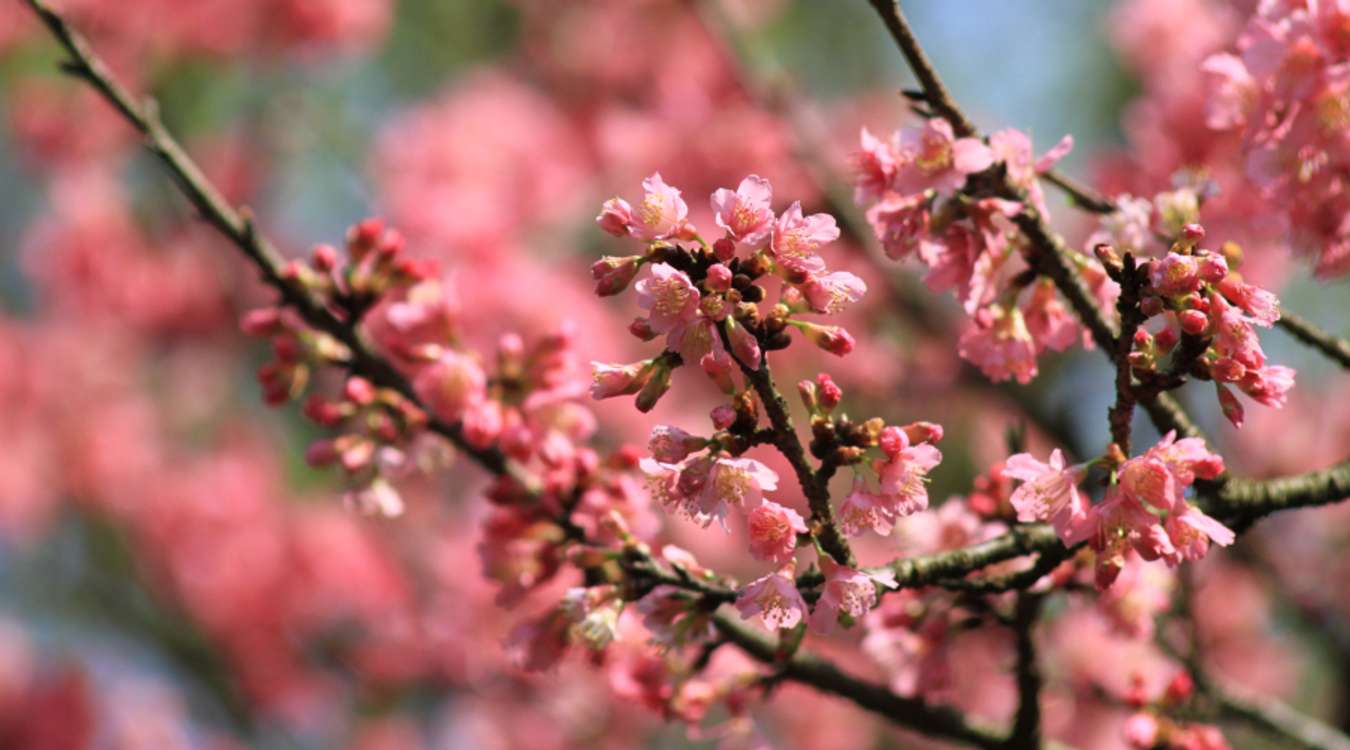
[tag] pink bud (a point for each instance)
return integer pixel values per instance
(1232, 408)
(1193, 322)
(719, 278)
(924, 432)
(833, 339)
(325, 257)
(1142, 338)
(1180, 688)
(322, 411)
(642, 329)
(1166, 339)
(616, 216)
(724, 249)
(321, 453)
(807, 391)
(361, 238)
(1151, 306)
(613, 274)
(1213, 268)
(722, 416)
(264, 321)
(1141, 731)
(359, 390)
(892, 441)
(1193, 233)
(830, 393)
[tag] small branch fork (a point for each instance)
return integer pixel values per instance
(1247, 499)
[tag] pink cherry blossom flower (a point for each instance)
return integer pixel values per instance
(900, 223)
(451, 385)
(1263, 306)
(671, 445)
(1188, 459)
(1233, 91)
(1270, 385)
(1000, 345)
(1049, 320)
(1175, 275)
(741, 482)
(773, 531)
(846, 591)
(1049, 492)
(904, 472)
(861, 510)
(1148, 479)
(1191, 531)
(931, 156)
(668, 295)
(796, 239)
(377, 498)
(662, 213)
(745, 214)
(1233, 333)
(775, 599)
(833, 292)
(876, 168)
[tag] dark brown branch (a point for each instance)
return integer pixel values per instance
(910, 713)
(1131, 317)
(1336, 348)
(1026, 729)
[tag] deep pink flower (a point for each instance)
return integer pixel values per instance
(903, 473)
(931, 156)
(1000, 345)
(669, 444)
(876, 168)
(1175, 275)
(1191, 531)
(1049, 492)
(773, 531)
(846, 591)
(1148, 479)
(745, 214)
(900, 223)
(1049, 320)
(1233, 91)
(775, 599)
(1263, 306)
(1269, 385)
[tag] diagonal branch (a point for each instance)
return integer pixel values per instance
(1302, 329)
(237, 226)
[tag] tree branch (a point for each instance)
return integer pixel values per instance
(1026, 729)
(236, 225)
(1334, 347)
(910, 713)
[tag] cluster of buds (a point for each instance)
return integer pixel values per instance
(381, 435)
(1151, 728)
(1205, 317)
(297, 351)
(707, 299)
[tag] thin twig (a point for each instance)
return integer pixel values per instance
(1304, 330)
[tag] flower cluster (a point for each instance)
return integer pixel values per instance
(1287, 93)
(1205, 317)
(705, 298)
(928, 197)
(1144, 510)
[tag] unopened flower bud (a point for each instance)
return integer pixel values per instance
(359, 390)
(724, 249)
(616, 217)
(655, 387)
(833, 339)
(723, 416)
(641, 328)
(1193, 322)
(1151, 306)
(362, 238)
(1166, 339)
(612, 274)
(830, 393)
(325, 258)
(719, 278)
(807, 391)
(1213, 268)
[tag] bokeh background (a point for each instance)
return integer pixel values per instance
(172, 574)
